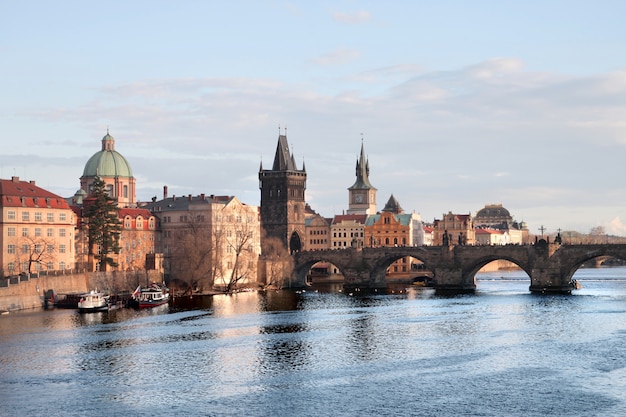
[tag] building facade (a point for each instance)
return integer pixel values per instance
(37, 229)
(347, 231)
(454, 229)
(208, 240)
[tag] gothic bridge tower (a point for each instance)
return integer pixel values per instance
(282, 198)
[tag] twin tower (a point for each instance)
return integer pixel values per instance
(282, 196)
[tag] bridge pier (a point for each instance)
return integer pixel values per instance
(549, 281)
(453, 281)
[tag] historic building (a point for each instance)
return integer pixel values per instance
(495, 217)
(347, 231)
(362, 194)
(140, 229)
(454, 229)
(114, 170)
(37, 229)
(317, 230)
(212, 240)
(283, 200)
(393, 227)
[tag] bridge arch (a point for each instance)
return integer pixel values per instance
(478, 264)
(579, 258)
(306, 260)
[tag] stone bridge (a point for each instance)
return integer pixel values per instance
(550, 266)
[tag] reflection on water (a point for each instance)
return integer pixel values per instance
(501, 351)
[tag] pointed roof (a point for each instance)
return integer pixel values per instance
(283, 160)
(393, 206)
(362, 173)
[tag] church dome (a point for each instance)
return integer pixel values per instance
(493, 211)
(107, 162)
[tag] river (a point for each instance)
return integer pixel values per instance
(499, 352)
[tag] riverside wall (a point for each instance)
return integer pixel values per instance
(28, 291)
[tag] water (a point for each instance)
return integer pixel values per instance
(499, 352)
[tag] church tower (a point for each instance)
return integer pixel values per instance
(282, 198)
(362, 194)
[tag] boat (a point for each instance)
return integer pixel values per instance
(153, 296)
(93, 301)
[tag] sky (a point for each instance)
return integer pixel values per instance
(458, 104)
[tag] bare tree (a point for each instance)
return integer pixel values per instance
(241, 256)
(192, 253)
(278, 263)
(35, 251)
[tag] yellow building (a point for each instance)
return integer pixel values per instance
(37, 229)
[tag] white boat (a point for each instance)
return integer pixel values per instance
(93, 301)
(152, 296)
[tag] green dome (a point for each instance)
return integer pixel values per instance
(108, 162)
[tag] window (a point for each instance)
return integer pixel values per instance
(127, 222)
(11, 267)
(25, 216)
(50, 248)
(62, 217)
(139, 222)
(126, 191)
(50, 266)
(25, 266)
(38, 248)
(50, 232)
(61, 232)
(37, 231)
(151, 223)
(11, 215)
(50, 217)
(61, 248)
(11, 249)
(61, 265)
(11, 231)
(24, 231)
(25, 248)
(37, 216)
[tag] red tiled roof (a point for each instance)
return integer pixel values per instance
(359, 218)
(16, 193)
(134, 212)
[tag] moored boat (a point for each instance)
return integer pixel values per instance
(93, 301)
(153, 296)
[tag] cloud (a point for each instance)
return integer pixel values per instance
(616, 227)
(362, 16)
(339, 56)
(437, 140)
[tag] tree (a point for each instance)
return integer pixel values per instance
(103, 225)
(277, 261)
(192, 253)
(242, 262)
(35, 250)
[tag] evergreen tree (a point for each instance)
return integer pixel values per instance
(103, 223)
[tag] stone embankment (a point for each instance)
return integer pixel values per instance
(29, 291)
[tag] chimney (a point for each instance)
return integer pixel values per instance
(202, 196)
(32, 182)
(15, 179)
(164, 192)
(190, 197)
(174, 197)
